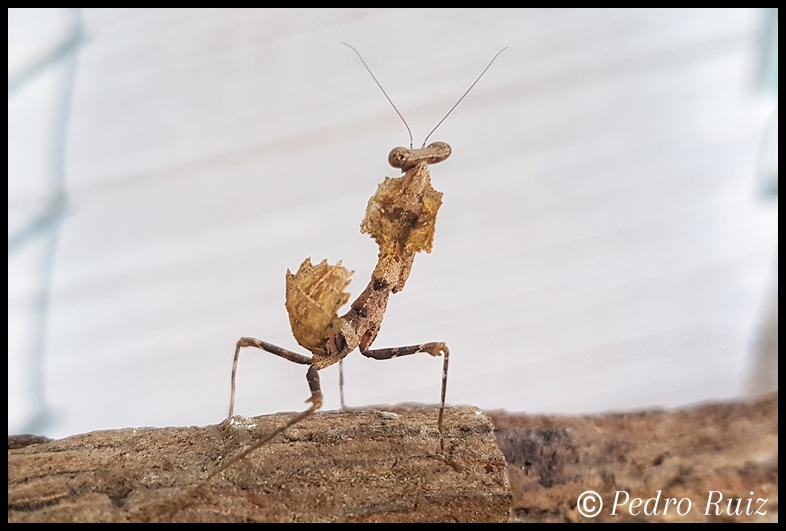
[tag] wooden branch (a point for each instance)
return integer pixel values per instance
(382, 466)
(364, 465)
(728, 449)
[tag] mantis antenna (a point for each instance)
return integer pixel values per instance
(409, 131)
(464, 95)
(383, 92)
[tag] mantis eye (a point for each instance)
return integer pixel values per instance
(398, 157)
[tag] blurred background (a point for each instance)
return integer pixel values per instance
(607, 240)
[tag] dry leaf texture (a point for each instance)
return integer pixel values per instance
(314, 295)
(401, 217)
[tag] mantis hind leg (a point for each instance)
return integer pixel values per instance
(312, 376)
(434, 349)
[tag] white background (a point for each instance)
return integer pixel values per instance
(604, 241)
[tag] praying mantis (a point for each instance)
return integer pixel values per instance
(401, 218)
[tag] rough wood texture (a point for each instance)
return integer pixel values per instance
(380, 466)
(731, 449)
(364, 465)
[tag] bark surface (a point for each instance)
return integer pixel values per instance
(372, 465)
(364, 465)
(728, 449)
